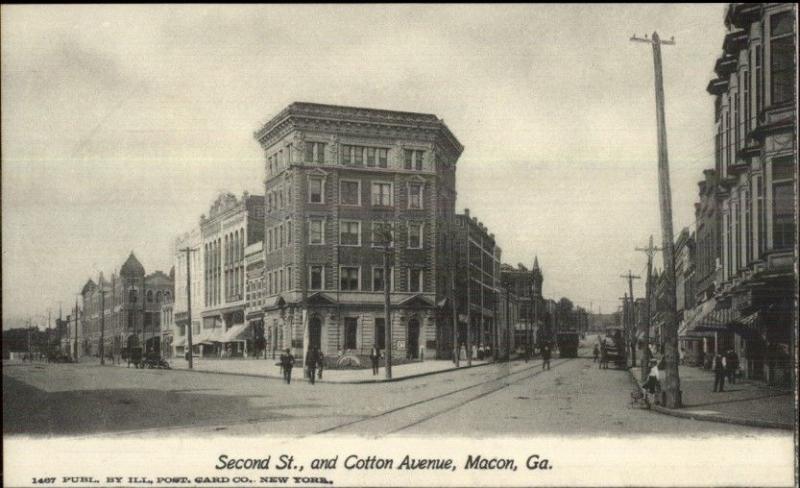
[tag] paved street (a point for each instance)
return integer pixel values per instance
(519, 399)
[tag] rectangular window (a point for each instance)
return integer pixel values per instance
(383, 157)
(759, 80)
(269, 240)
(358, 156)
(382, 231)
(347, 155)
(414, 195)
(414, 280)
(382, 194)
(378, 281)
(408, 158)
(315, 232)
(315, 152)
(349, 278)
(380, 332)
(289, 278)
(280, 281)
(350, 332)
(315, 277)
(350, 233)
(350, 192)
(783, 221)
(415, 236)
(315, 194)
(370, 156)
(748, 227)
(418, 160)
(782, 57)
(288, 231)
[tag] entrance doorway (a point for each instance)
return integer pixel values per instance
(314, 333)
(413, 338)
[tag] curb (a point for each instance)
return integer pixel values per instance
(350, 382)
(763, 424)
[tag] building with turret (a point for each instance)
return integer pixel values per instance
(124, 310)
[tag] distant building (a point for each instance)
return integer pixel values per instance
(125, 310)
(232, 224)
(477, 281)
(258, 341)
(526, 285)
(193, 241)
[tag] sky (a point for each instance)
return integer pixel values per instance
(121, 124)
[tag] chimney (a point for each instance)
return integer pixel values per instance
(466, 212)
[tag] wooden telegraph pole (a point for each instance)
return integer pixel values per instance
(631, 315)
(650, 250)
(189, 251)
(102, 325)
(671, 378)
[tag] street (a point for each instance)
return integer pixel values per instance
(516, 399)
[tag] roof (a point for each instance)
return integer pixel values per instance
(132, 267)
(89, 286)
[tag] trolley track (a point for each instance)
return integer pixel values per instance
(500, 383)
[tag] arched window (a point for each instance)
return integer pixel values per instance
(158, 296)
(149, 296)
(167, 296)
(133, 295)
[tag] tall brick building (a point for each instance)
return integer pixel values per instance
(756, 166)
(335, 178)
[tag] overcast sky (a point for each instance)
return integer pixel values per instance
(120, 124)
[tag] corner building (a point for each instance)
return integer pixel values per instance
(336, 177)
(756, 162)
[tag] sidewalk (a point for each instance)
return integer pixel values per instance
(745, 403)
(267, 368)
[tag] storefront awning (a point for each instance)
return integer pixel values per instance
(236, 333)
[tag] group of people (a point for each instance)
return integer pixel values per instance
(600, 354)
(725, 366)
(315, 361)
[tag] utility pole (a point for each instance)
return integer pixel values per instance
(671, 378)
(102, 324)
(387, 241)
(469, 303)
(189, 252)
(632, 315)
(453, 295)
(75, 345)
(650, 250)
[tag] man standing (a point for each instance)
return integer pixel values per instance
(311, 364)
(732, 360)
(320, 361)
(595, 353)
(374, 357)
(546, 357)
(718, 366)
(287, 363)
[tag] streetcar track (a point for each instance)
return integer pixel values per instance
(478, 397)
(442, 395)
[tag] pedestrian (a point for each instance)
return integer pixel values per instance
(374, 357)
(595, 353)
(732, 360)
(651, 385)
(546, 357)
(603, 356)
(287, 363)
(320, 363)
(718, 366)
(311, 364)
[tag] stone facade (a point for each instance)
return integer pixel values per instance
(334, 177)
(231, 225)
